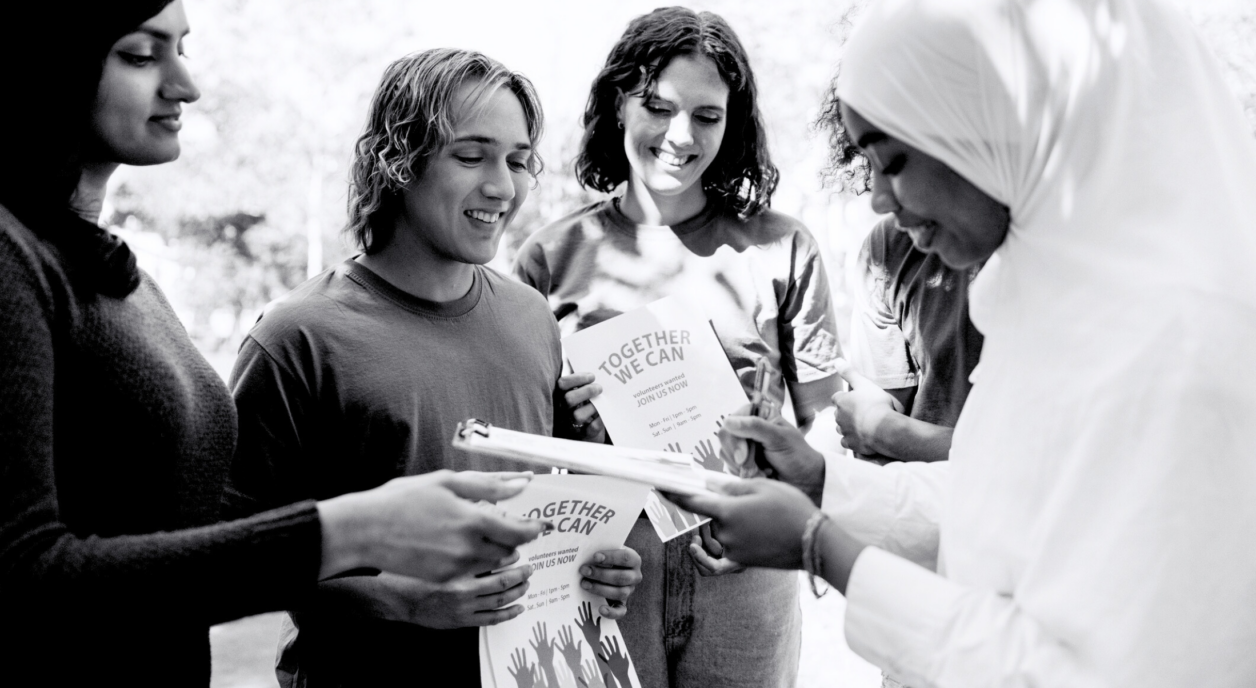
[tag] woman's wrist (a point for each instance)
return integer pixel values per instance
(342, 529)
(812, 557)
(837, 553)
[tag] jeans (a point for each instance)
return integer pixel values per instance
(684, 630)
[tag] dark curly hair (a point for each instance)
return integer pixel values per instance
(847, 168)
(742, 177)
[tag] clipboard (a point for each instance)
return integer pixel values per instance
(667, 471)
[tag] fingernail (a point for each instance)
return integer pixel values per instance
(604, 610)
(599, 557)
(527, 570)
(586, 571)
(586, 585)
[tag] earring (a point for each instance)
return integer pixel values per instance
(621, 124)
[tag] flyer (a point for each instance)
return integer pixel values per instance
(560, 640)
(666, 384)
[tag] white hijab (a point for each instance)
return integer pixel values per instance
(1103, 470)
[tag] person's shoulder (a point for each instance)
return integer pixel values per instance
(583, 222)
(311, 305)
(514, 294)
(25, 258)
(770, 227)
(773, 219)
(767, 224)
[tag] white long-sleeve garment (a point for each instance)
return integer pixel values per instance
(1096, 524)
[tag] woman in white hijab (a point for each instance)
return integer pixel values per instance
(1096, 524)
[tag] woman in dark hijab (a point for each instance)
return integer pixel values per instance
(115, 434)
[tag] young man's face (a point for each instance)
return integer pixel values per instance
(471, 188)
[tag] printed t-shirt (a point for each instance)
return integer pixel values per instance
(761, 281)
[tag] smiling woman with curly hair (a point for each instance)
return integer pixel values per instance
(673, 130)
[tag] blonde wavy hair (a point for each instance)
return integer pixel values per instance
(410, 119)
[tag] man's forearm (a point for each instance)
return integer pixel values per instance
(904, 438)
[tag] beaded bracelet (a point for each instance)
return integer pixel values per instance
(811, 562)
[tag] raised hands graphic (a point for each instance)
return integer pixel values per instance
(705, 451)
(591, 628)
(616, 660)
(544, 648)
(525, 676)
(673, 447)
(591, 675)
(569, 648)
(658, 512)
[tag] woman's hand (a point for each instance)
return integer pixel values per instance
(613, 574)
(795, 461)
(576, 391)
(425, 526)
(759, 522)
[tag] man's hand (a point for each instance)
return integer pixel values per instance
(613, 574)
(795, 461)
(462, 602)
(577, 389)
(863, 412)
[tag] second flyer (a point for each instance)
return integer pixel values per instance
(666, 384)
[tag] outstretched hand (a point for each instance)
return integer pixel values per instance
(784, 446)
(759, 521)
(861, 413)
(425, 526)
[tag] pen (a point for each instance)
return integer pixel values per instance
(761, 407)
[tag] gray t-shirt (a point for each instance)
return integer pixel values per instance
(349, 382)
(761, 281)
(910, 325)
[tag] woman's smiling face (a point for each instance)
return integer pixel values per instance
(144, 84)
(672, 136)
(943, 212)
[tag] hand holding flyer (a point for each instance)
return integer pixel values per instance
(560, 640)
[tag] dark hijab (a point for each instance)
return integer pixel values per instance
(53, 55)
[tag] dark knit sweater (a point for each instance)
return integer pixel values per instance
(115, 441)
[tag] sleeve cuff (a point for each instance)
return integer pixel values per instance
(896, 507)
(896, 612)
(894, 381)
